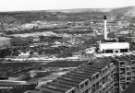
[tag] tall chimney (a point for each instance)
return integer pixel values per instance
(105, 28)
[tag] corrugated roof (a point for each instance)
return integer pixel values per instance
(74, 78)
(68, 82)
(83, 72)
(60, 84)
(52, 89)
(49, 90)
(44, 91)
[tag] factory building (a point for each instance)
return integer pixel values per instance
(94, 77)
(112, 71)
(111, 46)
(114, 48)
(125, 71)
(101, 75)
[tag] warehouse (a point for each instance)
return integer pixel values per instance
(126, 70)
(97, 76)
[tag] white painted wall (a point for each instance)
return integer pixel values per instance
(113, 45)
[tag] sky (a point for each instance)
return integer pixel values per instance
(27, 5)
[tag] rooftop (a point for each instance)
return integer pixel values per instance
(74, 78)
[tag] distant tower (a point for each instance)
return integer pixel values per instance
(105, 28)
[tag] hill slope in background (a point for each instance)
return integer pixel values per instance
(123, 13)
(66, 15)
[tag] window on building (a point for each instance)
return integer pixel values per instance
(123, 50)
(116, 51)
(122, 63)
(97, 76)
(86, 91)
(128, 83)
(82, 86)
(108, 51)
(72, 91)
(86, 83)
(128, 78)
(128, 73)
(93, 89)
(133, 77)
(127, 68)
(133, 62)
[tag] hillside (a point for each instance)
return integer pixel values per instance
(66, 15)
(17, 18)
(123, 13)
(26, 17)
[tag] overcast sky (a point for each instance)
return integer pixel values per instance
(22, 5)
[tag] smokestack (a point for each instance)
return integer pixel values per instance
(105, 28)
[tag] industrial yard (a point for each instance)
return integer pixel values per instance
(60, 52)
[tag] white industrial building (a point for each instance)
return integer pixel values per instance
(111, 47)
